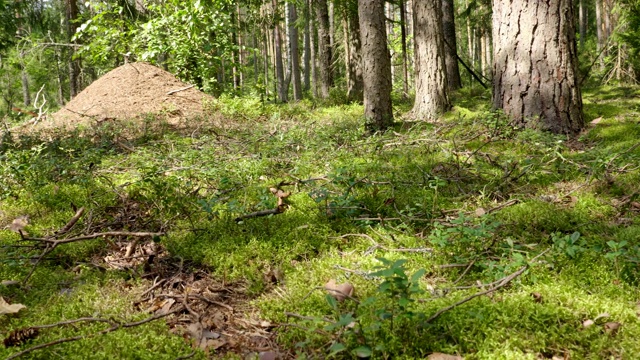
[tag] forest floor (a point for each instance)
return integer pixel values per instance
(220, 238)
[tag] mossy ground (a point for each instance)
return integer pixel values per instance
(421, 185)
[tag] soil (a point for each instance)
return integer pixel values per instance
(131, 91)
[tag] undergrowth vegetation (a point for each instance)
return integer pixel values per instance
(416, 220)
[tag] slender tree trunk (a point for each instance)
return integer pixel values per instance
(390, 37)
(26, 94)
(294, 56)
(535, 74)
(583, 22)
(307, 47)
(266, 62)
(600, 33)
(324, 49)
(353, 51)
(405, 61)
(450, 47)
(281, 89)
(376, 66)
(431, 76)
(313, 52)
(74, 64)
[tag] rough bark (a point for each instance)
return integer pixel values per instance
(324, 49)
(313, 54)
(376, 64)
(353, 52)
(451, 61)
(431, 77)
(294, 56)
(281, 88)
(535, 64)
(600, 34)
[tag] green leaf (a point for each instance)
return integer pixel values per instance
(331, 301)
(362, 351)
(336, 348)
(417, 275)
(575, 236)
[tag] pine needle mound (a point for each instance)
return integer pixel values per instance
(130, 91)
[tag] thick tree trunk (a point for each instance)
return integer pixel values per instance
(431, 76)
(324, 49)
(74, 64)
(281, 88)
(535, 74)
(294, 56)
(376, 66)
(353, 52)
(450, 48)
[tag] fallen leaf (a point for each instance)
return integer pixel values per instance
(166, 306)
(601, 316)
(339, 291)
(537, 297)
(612, 327)
(214, 344)
(441, 356)
(268, 355)
(19, 223)
(587, 323)
(6, 308)
(596, 120)
(480, 211)
(9, 282)
(635, 204)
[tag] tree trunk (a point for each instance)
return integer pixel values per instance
(307, 48)
(431, 76)
(583, 22)
(535, 58)
(324, 49)
(74, 64)
(390, 37)
(405, 61)
(600, 34)
(376, 66)
(294, 56)
(353, 52)
(313, 53)
(450, 47)
(281, 88)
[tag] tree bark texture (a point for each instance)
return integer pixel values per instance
(307, 47)
(376, 64)
(450, 48)
(583, 22)
(430, 72)
(294, 56)
(325, 51)
(535, 64)
(403, 39)
(353, 52)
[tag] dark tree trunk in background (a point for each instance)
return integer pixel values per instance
(281, 88)
(294, 56)
(324, 49)
(535, 64)
(314, 52)
(405, 58)
(74, 65)
(353, 52)
(376, 64)
(450, 48)
(431, 76)
(307, 47)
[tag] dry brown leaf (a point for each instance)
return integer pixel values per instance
(441, 356)
(339, 291)
(268, 355)
(612, 327)
(587, 323)
(166, 306)
(19, 223)
(596, 120)
(480, 211)
(9, 282)
(6, 308)
(635, 205)
(537, 297)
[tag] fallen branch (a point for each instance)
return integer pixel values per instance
(114, 326)
(181, 89)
